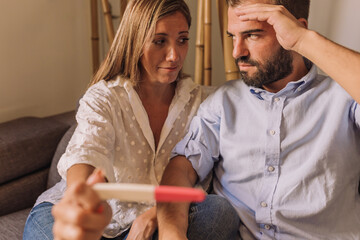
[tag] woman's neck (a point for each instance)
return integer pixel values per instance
(156, 93)
(156, 99)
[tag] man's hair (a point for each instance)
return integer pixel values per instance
(298, 8)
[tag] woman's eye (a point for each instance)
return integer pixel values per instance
(183, 40)
(159, 42)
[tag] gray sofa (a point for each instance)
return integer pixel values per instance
(30, 148)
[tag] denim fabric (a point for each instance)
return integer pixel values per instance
(40, 222)
(213, 219)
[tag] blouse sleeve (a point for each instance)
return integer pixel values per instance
(93, 140)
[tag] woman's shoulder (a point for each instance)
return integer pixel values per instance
(106, 89)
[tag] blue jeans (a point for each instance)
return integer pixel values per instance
(39, 223)
(213, 219)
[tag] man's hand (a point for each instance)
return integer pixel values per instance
(81, 214)
(144, 226)
(289, 30)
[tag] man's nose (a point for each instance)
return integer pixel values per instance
(240, 49)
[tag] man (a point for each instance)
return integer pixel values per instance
(284, 142)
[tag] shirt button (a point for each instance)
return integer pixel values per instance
(277, 99)
(267, 227)
(272, 132)
(271, 169)
(264, 204)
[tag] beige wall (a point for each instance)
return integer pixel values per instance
(44, 56)
(45, 53)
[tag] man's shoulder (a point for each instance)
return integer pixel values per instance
(231, 87)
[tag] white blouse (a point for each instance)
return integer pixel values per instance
(114, 134)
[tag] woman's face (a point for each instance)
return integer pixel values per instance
(164, 53)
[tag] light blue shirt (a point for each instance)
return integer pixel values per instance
(289, 162)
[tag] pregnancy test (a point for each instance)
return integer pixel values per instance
(129, 192)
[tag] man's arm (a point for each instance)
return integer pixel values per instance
(340, 63)
(173, 217)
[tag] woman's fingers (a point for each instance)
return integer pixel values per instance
(96, 177)
(76, 215)
(74, 232)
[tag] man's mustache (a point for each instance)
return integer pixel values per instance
(246, 60)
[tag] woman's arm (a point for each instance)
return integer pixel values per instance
(79, 173)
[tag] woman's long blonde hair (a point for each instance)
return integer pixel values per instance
(137, 26)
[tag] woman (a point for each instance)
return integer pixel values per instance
(137, 108)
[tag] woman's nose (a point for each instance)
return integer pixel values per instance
(172, 54)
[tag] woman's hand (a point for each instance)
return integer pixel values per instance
(81, 214)
(144, 226)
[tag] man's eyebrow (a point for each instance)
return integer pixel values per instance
(229, 33)
(247, 32)
(252, 31)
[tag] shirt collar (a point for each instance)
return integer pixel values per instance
(291, 88)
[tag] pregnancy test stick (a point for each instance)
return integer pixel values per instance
(129, 192)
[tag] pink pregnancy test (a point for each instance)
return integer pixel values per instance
(129, 192)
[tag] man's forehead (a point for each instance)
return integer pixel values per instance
(235, 25)
(246, 2)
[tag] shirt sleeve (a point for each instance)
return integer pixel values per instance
(201, 144)
(93, 140)
(355, 113)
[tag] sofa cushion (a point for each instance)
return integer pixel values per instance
(22, 193)
(12, 225)
(54, 176)
(27, 145)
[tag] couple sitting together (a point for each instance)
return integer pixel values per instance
(282, 143)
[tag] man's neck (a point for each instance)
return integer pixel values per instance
(299, 71)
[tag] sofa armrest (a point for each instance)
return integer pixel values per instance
(22, 193)
(27, 146)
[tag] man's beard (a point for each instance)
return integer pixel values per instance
(277, 67)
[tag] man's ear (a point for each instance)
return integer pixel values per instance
(304, 22)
